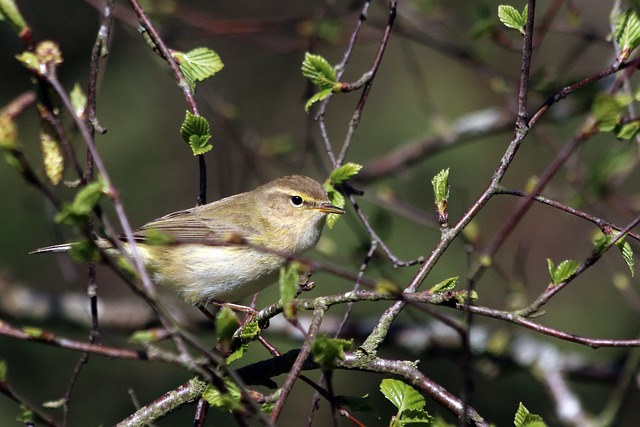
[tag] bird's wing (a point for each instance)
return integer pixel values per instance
(189, 226)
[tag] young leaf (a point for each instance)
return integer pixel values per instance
(226, 323)
(34, 332)
(198, 64)
(344, 173)
(440, 184)
(402, 395)
(26, 417)
(9, 12)
(359, 404)
(322, 74)
(319, 71)
(338, 176)
(230, 401)
(563, 271)
(445, 285)
(627, 32)
(524, 418)
(335, 198)
(327, 350)
(84, 251)
(196, 132)
(415, 416)
(627, 254)
(323, 94)
(608, 109)
(83, 203)
(250, 331)
(46, 57)
(147, 336)
(464, 297)
(511, 18)
(289, 277)
(628, 130)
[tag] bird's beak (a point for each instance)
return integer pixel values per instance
(329, 208)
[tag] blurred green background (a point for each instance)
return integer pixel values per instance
(260, 131)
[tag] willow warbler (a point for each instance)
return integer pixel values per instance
(231, 248)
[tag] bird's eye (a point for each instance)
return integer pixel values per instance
(296, 200)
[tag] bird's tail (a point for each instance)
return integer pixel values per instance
(65, 247)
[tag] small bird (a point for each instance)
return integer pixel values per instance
(226, 250)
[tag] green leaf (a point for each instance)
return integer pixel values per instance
(248, 332)
(198, 64)
(526, 419)
(227, 323)
(45, 58)
(322, 74)
(200, 144)
(3, 371)
(627, 254)
(195, 131)
(563, 271)
(9, 12)
(344, 173)
(440, 184)
(402, 395)
(628, 130)
(289, 277)
(445, 285)
(359, 404)
(30, 61)
(323, 94)
(415, 416)
(319, 71)
(326, 351)
(627, 32)
(84, 252)
(33, 332)
(82, 205)
(230, 401)
(608, 109)
(26, 417)
(511, 18)
(237, 354)
(339, 176)
(464, 296)
(336, 199)
(147, 336)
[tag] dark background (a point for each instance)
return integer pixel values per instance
(260, 131)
